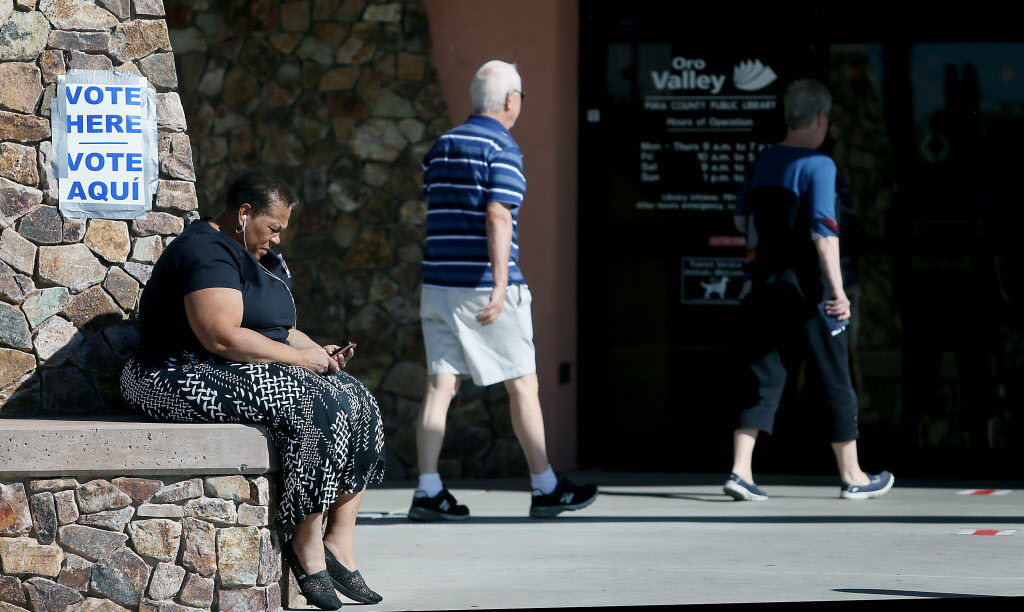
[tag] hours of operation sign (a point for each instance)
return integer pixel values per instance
(104, 144)
(704, 119)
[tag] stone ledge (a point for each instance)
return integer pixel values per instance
(45, 448)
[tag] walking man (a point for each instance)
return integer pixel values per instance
(798, 304)
(475, 304)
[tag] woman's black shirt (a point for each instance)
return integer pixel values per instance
(200, 258)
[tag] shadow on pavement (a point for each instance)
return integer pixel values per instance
(701, 497)
(897, 593)
(667, 479)
(924, 520)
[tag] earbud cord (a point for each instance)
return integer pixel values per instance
(245, 220)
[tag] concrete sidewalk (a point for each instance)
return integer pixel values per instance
(676, 539)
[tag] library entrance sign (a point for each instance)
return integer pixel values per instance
(105, 144)
(702, 119)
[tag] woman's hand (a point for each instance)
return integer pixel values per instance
(341, 359)
(315, 359)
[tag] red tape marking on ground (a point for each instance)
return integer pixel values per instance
(984, 492)
(987, 532)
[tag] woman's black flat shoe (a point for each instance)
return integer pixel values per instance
(349, 583)
(316, 588)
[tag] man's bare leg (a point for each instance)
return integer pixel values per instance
(743, 441)
(528, 420)
(849, 466)
(430, 422)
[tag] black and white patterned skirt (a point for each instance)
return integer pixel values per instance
(327, 428)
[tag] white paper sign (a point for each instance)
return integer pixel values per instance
(104, 144)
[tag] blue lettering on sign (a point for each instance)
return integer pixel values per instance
(92, 124)
(115, 195)
(134, 162)
(98, 191)
(98, 161)
(93, 95)
(114, 157)
(113, 93)
(94, 161)
(104, 160)
(103, 192)
(76, 191)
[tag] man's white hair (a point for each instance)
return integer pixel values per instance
(491, 85)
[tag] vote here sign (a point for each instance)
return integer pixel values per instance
(104, 144)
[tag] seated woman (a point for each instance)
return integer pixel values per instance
(220, 344)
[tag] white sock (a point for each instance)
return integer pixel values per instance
(545, 482)
(431, 484)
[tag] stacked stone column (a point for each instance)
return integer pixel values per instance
(139, 544)
(68, 286)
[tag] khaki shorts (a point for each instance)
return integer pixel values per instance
(457, 344)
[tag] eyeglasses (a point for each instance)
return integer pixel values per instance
(522, 94)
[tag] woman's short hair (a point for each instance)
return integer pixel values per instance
(804, 99)
(491, 85)
(261, 190)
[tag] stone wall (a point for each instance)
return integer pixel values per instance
(151, 545)
(342, 99)
(68, 287)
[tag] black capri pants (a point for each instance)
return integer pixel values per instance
(779, 328)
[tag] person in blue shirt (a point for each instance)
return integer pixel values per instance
(797, 305)
(475, 304)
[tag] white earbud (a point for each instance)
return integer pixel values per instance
(245, 219)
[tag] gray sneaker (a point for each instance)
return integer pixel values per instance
(879, 485)
(741, 490)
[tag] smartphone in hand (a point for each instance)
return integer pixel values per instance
(343, 348)
(835, 326)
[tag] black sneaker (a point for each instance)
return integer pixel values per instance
(566, 496)
(441, 507)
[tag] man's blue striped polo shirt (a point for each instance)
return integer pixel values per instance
(473, 164)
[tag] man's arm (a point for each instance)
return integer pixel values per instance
(828, 255)
(825, 234)
(499, 247)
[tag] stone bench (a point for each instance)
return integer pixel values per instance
(148, 516)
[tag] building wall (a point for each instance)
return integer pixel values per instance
(342, 98)
(542, 38)
(68, 286)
